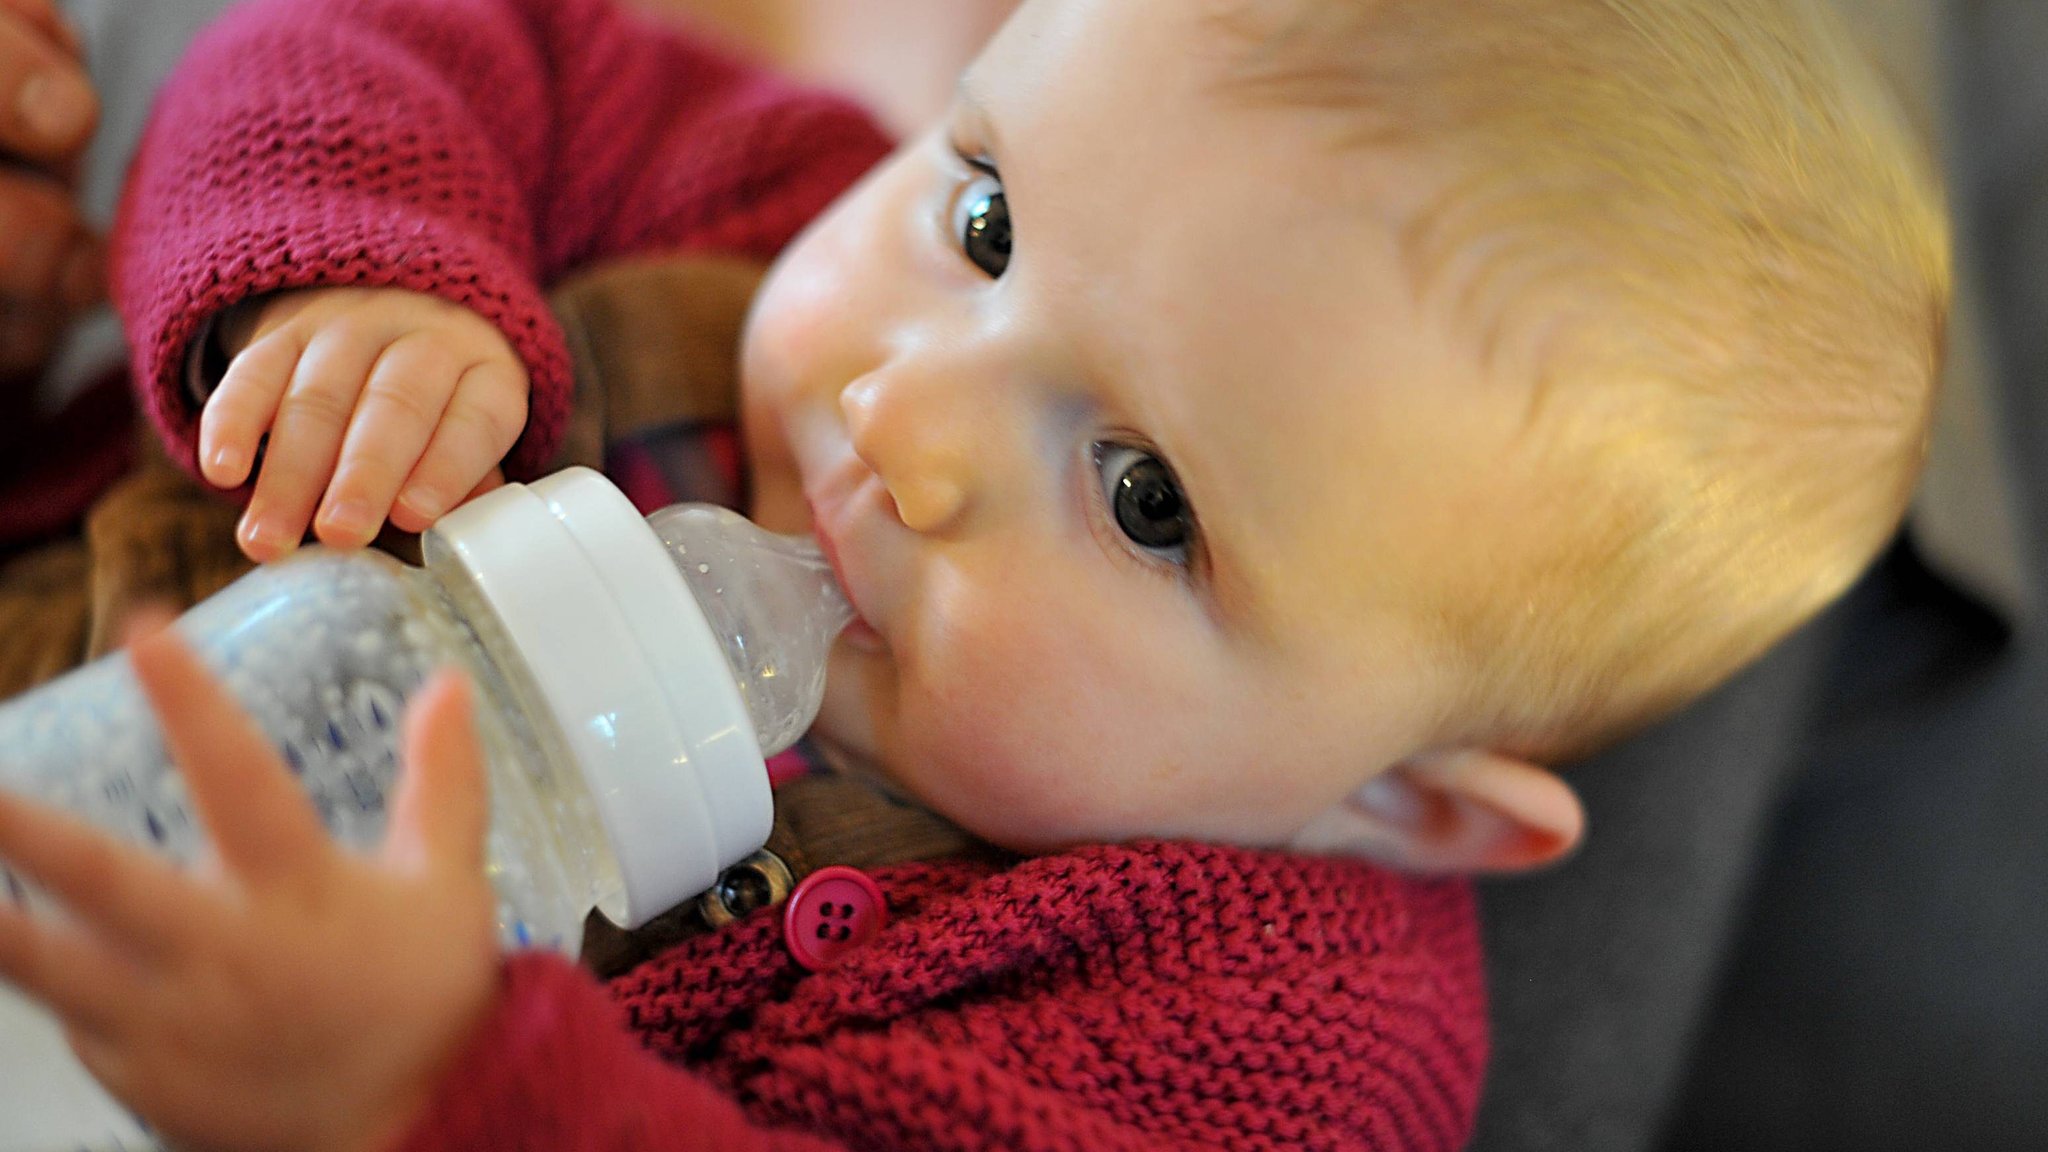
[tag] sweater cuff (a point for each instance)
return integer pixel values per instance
(555, 1066)
(173, 295)
(521, 1063)
(205, 366)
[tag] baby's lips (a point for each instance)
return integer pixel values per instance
(859, 632)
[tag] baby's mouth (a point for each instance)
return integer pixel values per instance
(859, 633)
(831, 478)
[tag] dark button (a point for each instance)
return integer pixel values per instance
(756, 882)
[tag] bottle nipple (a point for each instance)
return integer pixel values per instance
(774, 605)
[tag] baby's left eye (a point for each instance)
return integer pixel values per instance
(981, 222)
(1145, 501)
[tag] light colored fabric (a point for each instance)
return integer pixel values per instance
(1964, 517)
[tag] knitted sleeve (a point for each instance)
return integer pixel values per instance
(555, 1067)
(472, 149)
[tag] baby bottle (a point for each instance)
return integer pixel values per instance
(631, 675)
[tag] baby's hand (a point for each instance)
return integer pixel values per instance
(293, 995)
(395, 404)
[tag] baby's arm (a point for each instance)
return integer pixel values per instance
(473, 150)
(395, 405)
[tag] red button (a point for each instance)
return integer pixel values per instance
(834, 911)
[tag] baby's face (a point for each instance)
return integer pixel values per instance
(1131, 443)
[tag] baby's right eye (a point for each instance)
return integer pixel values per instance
(981, 219)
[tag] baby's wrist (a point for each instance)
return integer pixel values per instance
(389, 1124)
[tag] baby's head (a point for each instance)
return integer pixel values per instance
(1295, 421)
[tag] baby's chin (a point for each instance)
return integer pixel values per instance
(1023, 828)
(846, 760)
(844, 731)
(851, 753)
(854, 736)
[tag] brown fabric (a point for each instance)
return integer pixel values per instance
(157, 537)
(833, 819)
(44, 614)
(820, 820)
(652, 342)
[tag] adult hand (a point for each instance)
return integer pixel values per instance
(51, 263)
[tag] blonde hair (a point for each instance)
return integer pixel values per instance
(1738, 257)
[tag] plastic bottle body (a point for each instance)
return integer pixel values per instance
(324, 650)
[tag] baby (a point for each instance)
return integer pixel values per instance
(1360, 408)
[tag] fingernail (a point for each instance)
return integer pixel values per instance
(227, 459)
(83, 280)
(250, 533)
(422, 503)
(349, 517)
(56, 105)
(261, 541)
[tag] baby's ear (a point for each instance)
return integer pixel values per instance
(1459, 811)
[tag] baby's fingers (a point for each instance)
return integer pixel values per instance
(306, 439)
(259, 819)
(394, 420)
(65, 969)
(483, 421)
(242, 408)
(441, 812)
(120, 891)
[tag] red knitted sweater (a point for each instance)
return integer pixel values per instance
(1153, 996)
(477, 150)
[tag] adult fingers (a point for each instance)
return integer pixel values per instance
(261, 823)
(408, 389)
(48, 108)
(122, 891)
(43, 16)
(305, 440)
(242, 408)
(28, 336)
(483, 421)
(48, 259)
(442, 810)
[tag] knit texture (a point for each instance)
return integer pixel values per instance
(473, 149)
(1150, 996)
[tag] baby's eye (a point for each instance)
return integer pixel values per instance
(981, 219)
(1145, 500)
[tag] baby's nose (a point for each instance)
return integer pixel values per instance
(901, 432)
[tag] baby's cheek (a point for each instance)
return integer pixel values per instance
(1023, 736)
